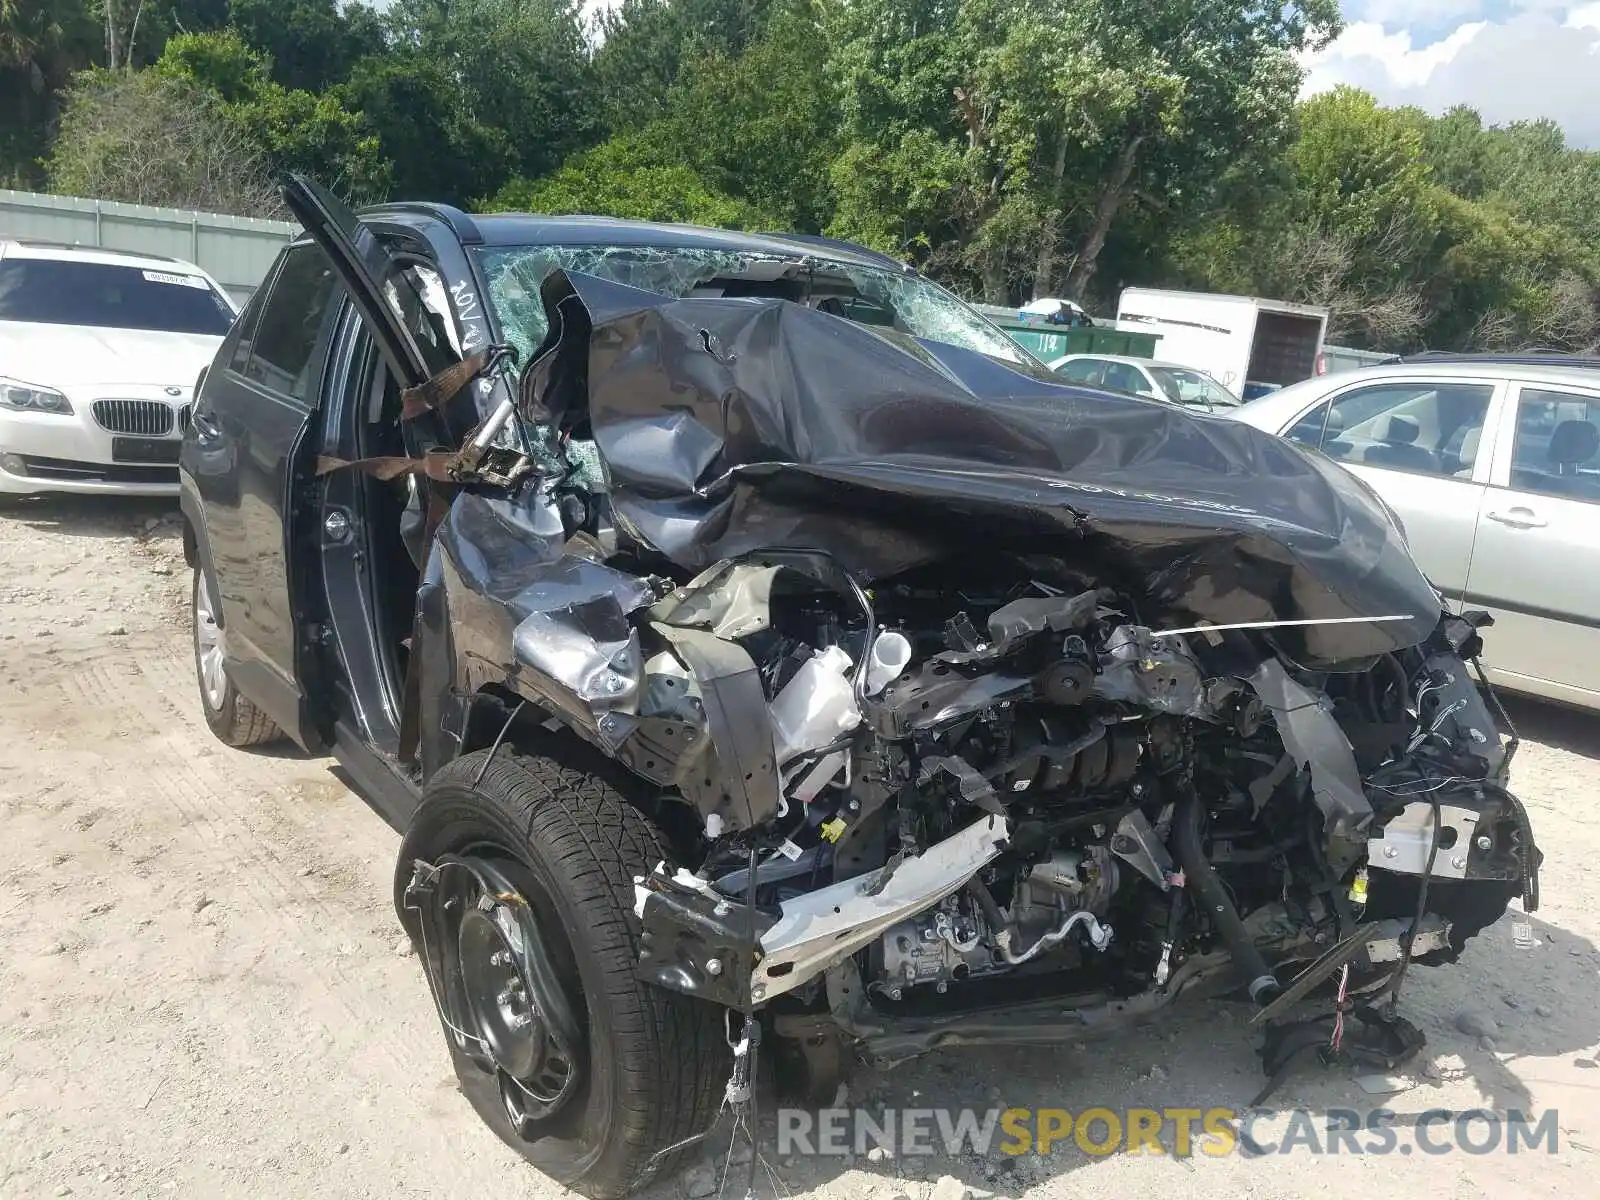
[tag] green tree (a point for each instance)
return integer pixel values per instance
(1454, 148)
(161, 20)
(927, 163)
(294, 129)
(646, 43)
(1353, 215)
(149, 137)
(1413, 230)
(1040, 123)
(518, 67)
(1359, 168)
(760, 125)
(42, 42)
(628, 177)
(1182, 91)
(436, 146)
(310, 44)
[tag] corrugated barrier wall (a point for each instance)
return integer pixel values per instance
(235, 251)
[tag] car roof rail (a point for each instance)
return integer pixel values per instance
(463, 226)
(814, 239)
(1534, 356)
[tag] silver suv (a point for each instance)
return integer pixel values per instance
(1493, 466)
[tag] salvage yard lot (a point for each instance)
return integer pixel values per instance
(204, 990)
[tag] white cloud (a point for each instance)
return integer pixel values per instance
(1412, 14)
(1364, 48)
(1527, 66)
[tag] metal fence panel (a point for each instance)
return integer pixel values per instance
(235, 251)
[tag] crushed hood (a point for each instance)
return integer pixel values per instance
(732, 425)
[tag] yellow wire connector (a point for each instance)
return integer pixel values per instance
(1358, 887)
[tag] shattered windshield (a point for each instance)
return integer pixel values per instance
(902, 301)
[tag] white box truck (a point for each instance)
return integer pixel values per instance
(1247, 344)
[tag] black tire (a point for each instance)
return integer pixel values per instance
(657, 1060)
(231, 716)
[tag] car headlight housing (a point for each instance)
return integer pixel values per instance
(29, 397)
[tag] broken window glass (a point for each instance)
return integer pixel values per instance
(900, 300)
(925, 310)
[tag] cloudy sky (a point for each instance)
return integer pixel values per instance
(1510, 59)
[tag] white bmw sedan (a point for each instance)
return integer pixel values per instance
(99, 353)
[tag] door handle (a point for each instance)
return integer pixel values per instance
(204, 427)
(1519, 518)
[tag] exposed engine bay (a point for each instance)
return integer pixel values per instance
(1035, 796)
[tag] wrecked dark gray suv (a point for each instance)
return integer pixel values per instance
(758, 650)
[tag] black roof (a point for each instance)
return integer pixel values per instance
(529, 229)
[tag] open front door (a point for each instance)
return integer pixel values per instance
(385, 289)
(370, 274)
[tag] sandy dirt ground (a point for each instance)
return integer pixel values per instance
(204, 991)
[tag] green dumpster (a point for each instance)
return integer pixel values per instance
(1049, 344)
(1048, 341)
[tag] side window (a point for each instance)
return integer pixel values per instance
(244, 330)
(1124, 378)
(1083, 370)
(290, 322)
(1424, 428)
(1556, 451)
(1307, 431)
(417, 294)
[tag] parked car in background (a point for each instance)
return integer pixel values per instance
(99, 353)
(1493, 467)
(1159, 380)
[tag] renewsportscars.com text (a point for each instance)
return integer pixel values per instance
(1179, 1132)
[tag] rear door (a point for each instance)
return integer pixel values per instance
(1537, 562)
(258, 429)
(249, 423)
(1421, 444)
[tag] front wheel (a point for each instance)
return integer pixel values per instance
(232, 717)
(522, 910)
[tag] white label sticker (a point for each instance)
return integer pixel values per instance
(790, 851)
(193, 281)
